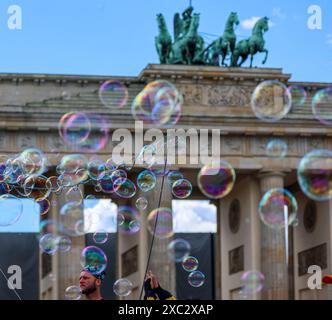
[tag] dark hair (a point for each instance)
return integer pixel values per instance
(99, 275)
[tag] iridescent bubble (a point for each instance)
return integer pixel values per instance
(33, 161)
(146, 180)
(73, 293)
(115, 175)
(314, 175)
(64, 243)
(276, 148)
(44, 205)
(216, 180)
(196, 279)
(101, 236)
(80, 227)
(35, 187)
(124, 188)
(147, 156)
(298, 94)
(11, 210)
(93, 259)
(252, 281)
(322, 106)
(271, 101)
(110, 164)
(74, 170)
(113, 94)
(106, 182)
(173, 176)
(159, 103)
(278, 208)
(96, 168)
(13, 173)
(141, 203)
(178, 249)
(52, 184)
(160, 223)
(134, 226)
(190, 264)
(120, 219)
(72, 214)
(74, 194)
(4, 188)
(74, 128)
(48, 226)
(48, 243)
(126, 217)
(182, 188)
(122, 287)
(99, 135)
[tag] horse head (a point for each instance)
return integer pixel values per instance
(161, 22)
(233, 18)
(262, 24)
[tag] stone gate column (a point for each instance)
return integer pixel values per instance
(274, 264)
(160, 263)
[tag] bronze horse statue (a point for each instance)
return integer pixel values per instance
(224, 45)
(163, 41)
(252, 45)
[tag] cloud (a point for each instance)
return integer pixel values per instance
(194, 217)
(101, 216)
(277, 12)
(248, 24)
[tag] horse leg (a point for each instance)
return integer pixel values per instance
(243, 59)
(251, 59)
(266, 55)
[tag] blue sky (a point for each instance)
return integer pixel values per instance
(107, 37)
(29, 219)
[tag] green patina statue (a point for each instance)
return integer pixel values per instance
(189, 48)
(252, 45)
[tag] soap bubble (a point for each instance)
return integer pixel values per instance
(100, 236)
(182, 188)
(73, 293)
(160, 223)
(252, 281)
(271, 101)
(216, 180)
(190, 264)
(141, 203)
(299, 95)
(173, 176)
(146, 180)
(113, 94)
(314, 175)
(276, 207)
(276, 148)
(128, 215)
(64, 243)
(196, 279)
(322, 106)
(48, 243)
(178, 249)
(122, 287)
(93, 259)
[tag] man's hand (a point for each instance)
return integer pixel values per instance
(154, 281)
